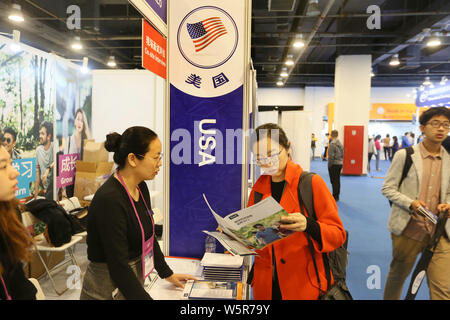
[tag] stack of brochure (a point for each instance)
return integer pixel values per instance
(222, 267)
(201, 290)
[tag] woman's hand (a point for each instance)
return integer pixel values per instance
(177, 279)
(295, 222)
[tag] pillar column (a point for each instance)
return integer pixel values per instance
(352, 97)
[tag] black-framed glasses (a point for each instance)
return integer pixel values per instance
(437, 124)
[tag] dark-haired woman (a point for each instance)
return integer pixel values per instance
(14, 240)
(122, 246)
(284, 269)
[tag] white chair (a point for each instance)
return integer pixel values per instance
(39, 294)
(41, 245)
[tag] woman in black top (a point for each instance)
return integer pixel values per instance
(114, 233)
(14, 240)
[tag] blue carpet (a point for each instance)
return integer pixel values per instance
(364, 211)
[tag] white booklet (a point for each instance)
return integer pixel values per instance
(428, 214)
(250, 228)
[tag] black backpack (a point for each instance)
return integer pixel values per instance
(335, 262)
(406, 167)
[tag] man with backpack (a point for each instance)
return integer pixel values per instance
(424, 185)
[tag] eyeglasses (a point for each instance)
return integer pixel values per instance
(437, 124)
(7, 140)
(268, 160)
(158, 159)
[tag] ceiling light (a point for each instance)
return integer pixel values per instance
(313, 8)
(434, 41)
(394, 60)
(444, 80)
(284, 74)
(15, 46)
(112, 62)
(280, 83)
(289, 61)
(427, 82)
(16, 13)
(299, 43)
(76, 44)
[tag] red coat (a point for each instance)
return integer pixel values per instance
(295, 267)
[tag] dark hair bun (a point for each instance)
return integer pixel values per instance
(112, 142)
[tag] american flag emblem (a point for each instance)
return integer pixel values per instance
(205, 32)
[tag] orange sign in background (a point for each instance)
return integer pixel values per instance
(154, 50)
(392, 111)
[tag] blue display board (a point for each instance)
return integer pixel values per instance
(207, 66)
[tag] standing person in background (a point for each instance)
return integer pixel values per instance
(9, 142)
(420, 138)
(411, 138)
(405, 141)
(326, 142)
(44, 161)
(371, 151)
(378, 147)
(387, 147)
(15, 242)
(335, 161)
(394, 147)
(313, 145)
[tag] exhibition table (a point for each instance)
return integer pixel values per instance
(160, 289)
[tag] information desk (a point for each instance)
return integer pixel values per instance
(160, 289)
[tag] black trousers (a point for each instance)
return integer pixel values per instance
(335, 178)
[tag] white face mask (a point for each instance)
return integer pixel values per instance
(270, 171)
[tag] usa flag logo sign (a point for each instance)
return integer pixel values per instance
(207, 37)
(205, 32)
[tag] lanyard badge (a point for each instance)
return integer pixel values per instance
(147, 258)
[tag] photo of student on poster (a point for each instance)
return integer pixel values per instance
(73, 118)
(26, 110)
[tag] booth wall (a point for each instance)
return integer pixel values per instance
(126, 98)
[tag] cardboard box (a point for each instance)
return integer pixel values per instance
(35, 268)
(95, 152)
(90, 176)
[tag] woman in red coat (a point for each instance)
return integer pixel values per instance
(285, 269)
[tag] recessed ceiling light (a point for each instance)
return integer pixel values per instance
(299, 43)
(313, 8)
(434, 41)
(16, 13)
(76, 44)
(112, 62)
(394, 60)
(280, 83)
(427, 82)
(289, 62)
